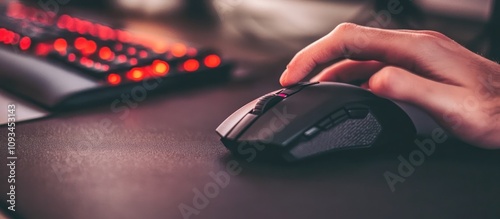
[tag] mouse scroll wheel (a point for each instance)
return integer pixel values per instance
(265, 103)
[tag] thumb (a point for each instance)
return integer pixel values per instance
(401, 85)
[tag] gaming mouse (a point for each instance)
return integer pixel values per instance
(311, 119)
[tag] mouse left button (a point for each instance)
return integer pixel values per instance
(230, 122)
(242, 125)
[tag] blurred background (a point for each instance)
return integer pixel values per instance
(244, 29)
(258, 37)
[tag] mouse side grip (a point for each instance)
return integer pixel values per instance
(351, 134)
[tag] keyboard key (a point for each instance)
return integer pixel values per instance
(99, 52)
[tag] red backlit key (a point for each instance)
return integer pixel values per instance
(111, 56)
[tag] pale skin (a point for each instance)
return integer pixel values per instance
(458, 88)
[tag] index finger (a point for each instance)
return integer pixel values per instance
(348, 40)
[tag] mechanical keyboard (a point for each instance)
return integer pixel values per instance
(61, 61)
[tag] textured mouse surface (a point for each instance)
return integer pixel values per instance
(352, 133)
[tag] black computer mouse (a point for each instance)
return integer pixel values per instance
(311, 119)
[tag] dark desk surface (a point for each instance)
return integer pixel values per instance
(95, 163)
(71, 166)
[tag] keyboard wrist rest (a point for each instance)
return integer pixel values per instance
(42, 82)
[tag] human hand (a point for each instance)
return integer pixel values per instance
(458, 88)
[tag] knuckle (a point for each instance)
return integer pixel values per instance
(343, 27)
(383, 80)
(478, 129)
(428, 38)
(341, 34)
(387, 74)
(436, 34)
(429, 42)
